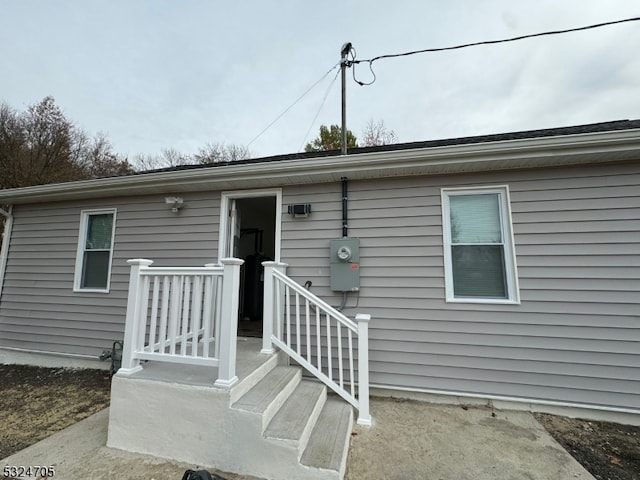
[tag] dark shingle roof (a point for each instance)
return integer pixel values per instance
(526, 134)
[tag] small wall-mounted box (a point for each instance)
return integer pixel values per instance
(300, 209)
(344, 264)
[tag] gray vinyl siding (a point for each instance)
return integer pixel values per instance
(574, 338)
(39, 309)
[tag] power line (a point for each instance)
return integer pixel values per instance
(324, 99)
(294, 103)
(485, 42)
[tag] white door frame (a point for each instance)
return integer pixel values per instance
(225, 200)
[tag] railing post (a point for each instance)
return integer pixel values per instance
(364, 418)
(229, 322)
(269, 309)
(214, 319)
(131, 364)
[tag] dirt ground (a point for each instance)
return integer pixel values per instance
(609, 451)
(37, 402)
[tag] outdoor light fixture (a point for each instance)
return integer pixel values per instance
(300, 210)
(175, 202)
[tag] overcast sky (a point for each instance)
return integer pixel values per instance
(155, 74)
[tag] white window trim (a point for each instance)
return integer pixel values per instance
(225, 200)
(511, 270)
(82, 237)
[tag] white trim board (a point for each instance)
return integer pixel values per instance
(4, 249)
(82, 235)
(42, 358)
(508, 242)
(575, 410)
(225, 199)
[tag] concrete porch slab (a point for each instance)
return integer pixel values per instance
(248, 358)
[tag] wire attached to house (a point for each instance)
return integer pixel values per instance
(324, 99)
(475, 44)
(293, 104)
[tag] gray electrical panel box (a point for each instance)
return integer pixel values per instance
(345, 264)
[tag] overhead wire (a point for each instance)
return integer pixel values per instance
(475, 44)
(324, 99)
(354, 61)
(293, 104)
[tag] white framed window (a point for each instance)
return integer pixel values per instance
(479, 254)
(95, 250)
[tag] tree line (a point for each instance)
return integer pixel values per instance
(375, 133)
(40, 145)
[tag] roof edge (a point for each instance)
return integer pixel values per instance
(620, 144)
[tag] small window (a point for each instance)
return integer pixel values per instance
(95, 250)
(478, 246)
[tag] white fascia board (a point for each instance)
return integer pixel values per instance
(4, 247)
(560, 150)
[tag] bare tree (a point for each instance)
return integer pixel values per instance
(168, 157)
(40, 145)
(213, 152)
(219, 152)
(101, 161)
(376, 134)
(12, 139)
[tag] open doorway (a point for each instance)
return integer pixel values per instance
(251, 234)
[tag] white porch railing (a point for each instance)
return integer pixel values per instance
(183, 315)
(318, 337)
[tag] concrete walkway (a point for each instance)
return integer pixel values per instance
(410, 440)
(417, 440)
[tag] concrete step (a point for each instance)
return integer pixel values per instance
(288, 425)
(251, 368)
(328, 445)
(270, 393)
(295, 420)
